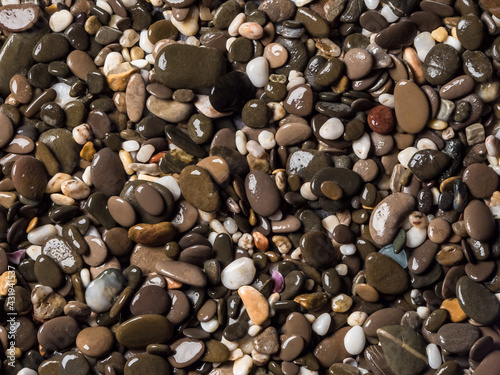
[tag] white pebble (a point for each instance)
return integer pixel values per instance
(145, 153)
(423, 312)
(455, 43)
(241, 142)
(238, 273)
(388, 14)
(348, 249)
(496, 20)
(210, 326)
(230, 225)
(243, 365)
(34, 251)
(62, 91)
(254, 330)
(301, 3)
(144, 42)
(372, 4)
(217, 226)
(332, 129)
(203, 105)
(255, 149)
(405, 155)
(60, 20)
(246, 241)
(415, 237)
(341, 269)
(171, 184)
(258, 71)
(113, 59)
(387, 100)
(330, 222)
(266, 139)
(361, 146)
(354, 340)
(295, 82)
(433, 356)
(139, 63)
(357, 318)
(236, 237)
(38, 235)
(305, 371)
(305, 191)
(423, 44)
(85, 276)
(322, 324)
(212, 236)
(27, 371)
(82, 134)
(130, 146)
(104, 6)
(235, 353)
(235, 24)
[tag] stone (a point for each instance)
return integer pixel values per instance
(385, 274)
(477, 301)
(198, 188)
(140, 331)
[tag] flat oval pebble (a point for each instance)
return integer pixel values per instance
(458, 337)
(411, 106)
(58, 333)
(385, 274)
(479, 221)
(262, 193)
(477, 301)
(142, 330)
(20, 17)
(185, 352)
(198, 188)
(95, 341)
(183, 272)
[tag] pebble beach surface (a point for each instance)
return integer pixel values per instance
(282, 187)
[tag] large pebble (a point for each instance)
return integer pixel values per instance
(199, 189)
(140, 331)
(411, 106)
(477, 301)
(388, 215)
(58, 333)
(29, 177)
(262, 193)
(182, 272)
(181, 66)
(107, 173)
(385, 274)
(479, 221)
(102, 291)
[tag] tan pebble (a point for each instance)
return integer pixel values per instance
(453, 307)
(255, 303)
(54, 184)
(7, 199)
(282, 243)
(341, 85)
(276, 55)
(437, 124)
(126, 160)
(439, 34)
(82, 134)
(190, 25)
(61, 199)
(88, 151)
(8, 279)
(261, 241)
(75, 189)
(95, 341)
(367, 292)
(438, 230)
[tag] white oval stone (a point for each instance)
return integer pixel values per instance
(423, 44)
(332, 129)
(354, 340)
(415, 237)
(348, 249)
(357, 318)
(258, 71)
(144, 42)
(433, 356)
(145, 153)
(322, 324)
(243, 365)
(238, 273)
(38, 235)
(210, 326)
(361, 146)
(372, 4)
(235, 24)
(405, 155)
(266, 139)
(60, 20)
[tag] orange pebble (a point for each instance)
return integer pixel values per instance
(172, 284)
(261, 241)
(456, 312)
(156, 157)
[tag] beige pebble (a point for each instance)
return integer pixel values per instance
(255, 303)
(54, 184)
(438, 230)
(62, 199)
(75, 189)
(7, 199)
(251, 30)
(276, 55)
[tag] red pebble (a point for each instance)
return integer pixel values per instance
(381, 119)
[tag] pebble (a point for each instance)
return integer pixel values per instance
(58, 333)
(255, 304)
(477, 301)
(95, 341)
(262, 193)
(140, 331)
(479, 221)
(182, 272)
(411, 106)
(101, 292)
(238, 273)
